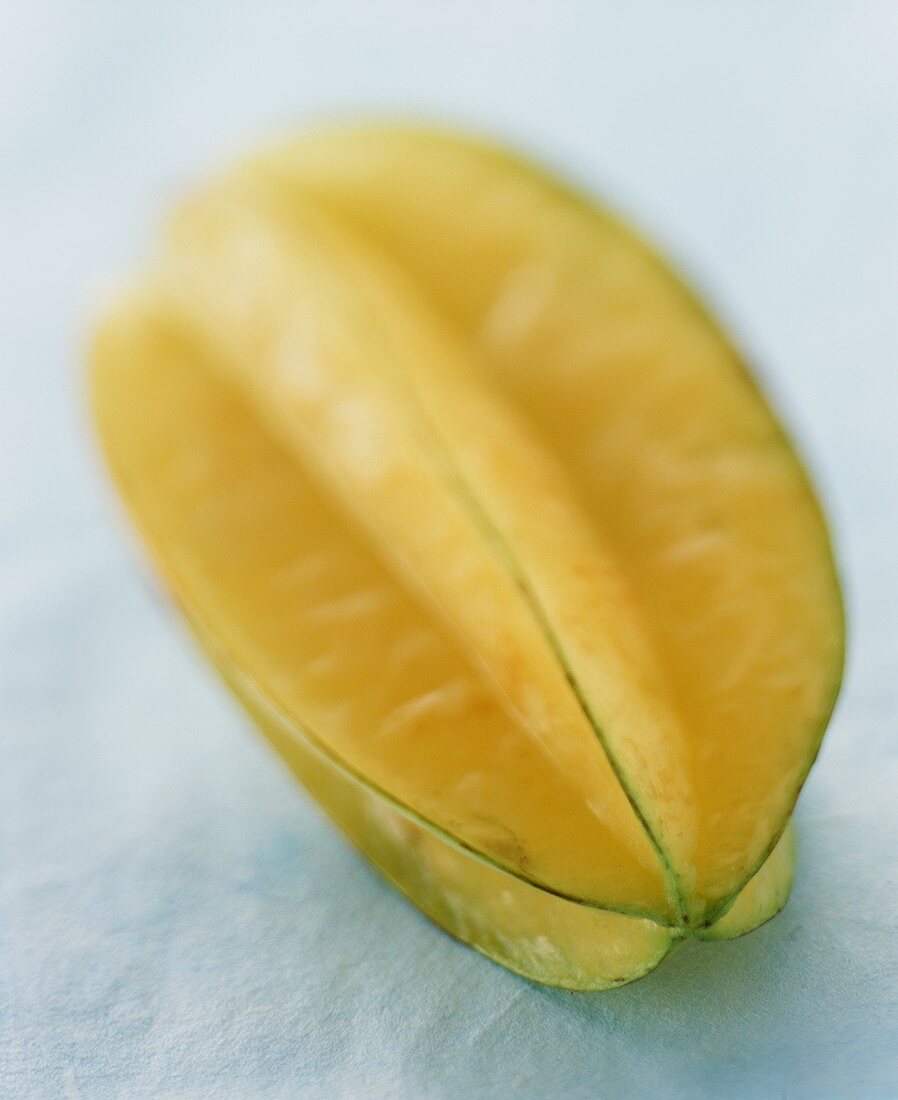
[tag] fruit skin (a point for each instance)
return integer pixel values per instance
(443, 879)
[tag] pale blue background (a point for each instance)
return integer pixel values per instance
(176, 918)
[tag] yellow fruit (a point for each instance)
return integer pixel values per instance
(487, 527)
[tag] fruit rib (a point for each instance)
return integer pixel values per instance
(762, 897)
(355, 374)
(268, 569)
(534, 933)
(668, 441)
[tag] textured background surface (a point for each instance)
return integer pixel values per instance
(176, 919)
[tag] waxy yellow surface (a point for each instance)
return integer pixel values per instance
(488, 527)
